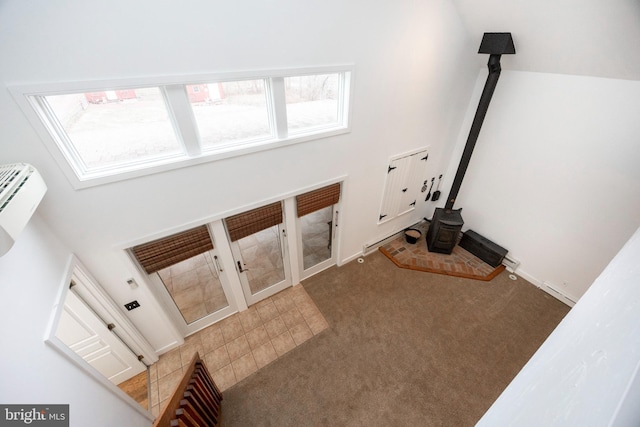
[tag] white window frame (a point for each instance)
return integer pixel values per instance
(173, 89)
(341, 113)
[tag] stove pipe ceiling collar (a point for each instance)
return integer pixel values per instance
(495, 44)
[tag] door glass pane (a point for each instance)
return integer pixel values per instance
(312, 101)
(195, 287)
(116, 127)
(262, 257)
(230, 113)
(316, 236)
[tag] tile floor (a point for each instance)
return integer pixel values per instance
(241, 344)
(195, 286)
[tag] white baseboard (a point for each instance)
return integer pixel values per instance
(350, 258)
(552, 290)
(548, 288)
(169, 347)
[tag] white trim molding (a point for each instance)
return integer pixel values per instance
(31, 99)
(56, 343)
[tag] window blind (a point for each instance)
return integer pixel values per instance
(248, 223)
(165, 252)
(318, 199)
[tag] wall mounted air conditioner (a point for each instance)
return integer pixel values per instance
(21, 190)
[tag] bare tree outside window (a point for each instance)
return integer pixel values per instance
(312, 101)
(231, 112)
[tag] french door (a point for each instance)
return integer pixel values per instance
(189, 268)
(317, 224)
(201, 283)
(260, 251)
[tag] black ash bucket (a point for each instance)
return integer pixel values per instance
(412, 235)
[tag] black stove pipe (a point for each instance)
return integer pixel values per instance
(494, 44)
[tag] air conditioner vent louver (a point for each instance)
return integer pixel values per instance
(21, 190)
(12, 178)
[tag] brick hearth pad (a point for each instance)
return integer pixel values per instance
(416, 257)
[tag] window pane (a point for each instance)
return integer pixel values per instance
(117, 127)
(230, 112)
(312, 101)
(195, 287)
(262, 257)
(316, 230)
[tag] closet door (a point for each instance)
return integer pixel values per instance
(405, 177)
(258, 244)
(89, 337)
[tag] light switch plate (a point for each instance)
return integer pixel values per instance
(131, 305)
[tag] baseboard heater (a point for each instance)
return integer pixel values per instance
(510, 263)
(483, 248)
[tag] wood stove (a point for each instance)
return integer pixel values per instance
(446, 223)
(444, 230)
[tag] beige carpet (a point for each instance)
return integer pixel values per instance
(403, 348)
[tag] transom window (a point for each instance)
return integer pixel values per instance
(312, 101)
(117, 131)
(230, 113)
(110, 128)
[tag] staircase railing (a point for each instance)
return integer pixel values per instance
(195, 401)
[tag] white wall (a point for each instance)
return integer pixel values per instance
(413, 76)
(554, 177)
(32, 372)
(586, 372)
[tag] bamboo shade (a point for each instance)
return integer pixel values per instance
(248, 223)
(318, 199)
(165, 252)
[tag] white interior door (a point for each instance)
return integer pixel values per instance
(89, 337)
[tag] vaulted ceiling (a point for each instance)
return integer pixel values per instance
(598, 38)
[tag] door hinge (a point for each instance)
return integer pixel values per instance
(111, 326)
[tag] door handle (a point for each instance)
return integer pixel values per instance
(215, 258)
(240, 269)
